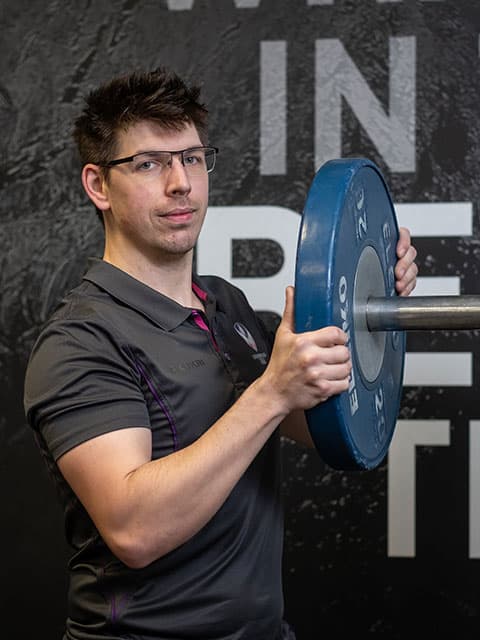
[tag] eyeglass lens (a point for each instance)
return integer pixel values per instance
(196, 161)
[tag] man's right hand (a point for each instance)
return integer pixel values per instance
(307, 368)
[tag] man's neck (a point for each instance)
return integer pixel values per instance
(171, 277)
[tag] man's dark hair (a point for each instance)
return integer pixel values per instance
(160, 96)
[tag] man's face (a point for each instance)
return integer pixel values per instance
(157, 217)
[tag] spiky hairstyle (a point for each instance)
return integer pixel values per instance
(160, 96)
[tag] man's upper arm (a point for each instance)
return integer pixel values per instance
(97, 471)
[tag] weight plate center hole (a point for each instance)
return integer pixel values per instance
(369, 346)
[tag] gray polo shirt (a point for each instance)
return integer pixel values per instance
(117, 354)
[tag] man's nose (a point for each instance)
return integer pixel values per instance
(178, 180)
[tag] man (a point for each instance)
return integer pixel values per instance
(159, 426)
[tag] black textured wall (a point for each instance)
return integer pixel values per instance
(340, 576)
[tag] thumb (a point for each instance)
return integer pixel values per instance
(404, 242)
(288, 318)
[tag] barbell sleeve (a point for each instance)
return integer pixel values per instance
(423, 312)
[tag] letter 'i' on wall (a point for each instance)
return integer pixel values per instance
(273, 108)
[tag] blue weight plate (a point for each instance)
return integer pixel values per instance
(349, 217)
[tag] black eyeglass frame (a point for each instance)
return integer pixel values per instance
(113, 163)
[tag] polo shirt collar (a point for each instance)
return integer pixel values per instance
(162, 310)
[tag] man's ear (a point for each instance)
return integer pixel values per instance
(94, 184)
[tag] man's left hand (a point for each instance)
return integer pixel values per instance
(405, 270)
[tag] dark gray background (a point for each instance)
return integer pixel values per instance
(338, 578)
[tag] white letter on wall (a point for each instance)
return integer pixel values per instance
(337, 77)
(179, 5)
(225, 224)
(273, 108)
(474, 491)
(401, 479)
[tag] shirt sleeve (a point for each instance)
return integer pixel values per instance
(80, 384)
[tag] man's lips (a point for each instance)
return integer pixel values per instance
(179, 214)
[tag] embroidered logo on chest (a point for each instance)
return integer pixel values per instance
(245, 334)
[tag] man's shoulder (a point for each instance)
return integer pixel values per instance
(70, 305)
(76, 313)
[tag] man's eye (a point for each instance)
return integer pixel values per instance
(146, 165)
(192, 160)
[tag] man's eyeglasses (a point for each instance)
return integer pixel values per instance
(196, 160)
